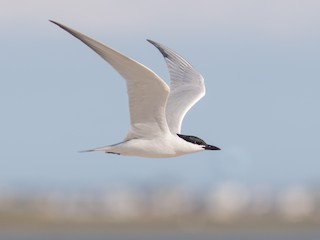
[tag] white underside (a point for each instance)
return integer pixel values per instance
(160, 147)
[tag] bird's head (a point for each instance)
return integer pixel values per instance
(198, 141)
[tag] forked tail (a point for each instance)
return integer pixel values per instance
(106, 149)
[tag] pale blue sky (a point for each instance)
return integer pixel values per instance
(260, 60)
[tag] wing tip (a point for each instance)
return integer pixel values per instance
(150, 41)
(58, 24)
(54, 22)
(63, 26)
(84, 151)
(160, 48)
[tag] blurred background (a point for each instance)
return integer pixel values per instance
(260, 61)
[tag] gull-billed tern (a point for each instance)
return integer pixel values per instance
(156, 111)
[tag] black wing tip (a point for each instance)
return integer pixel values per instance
(160, 48)
(56, 23)
(53, 22)
(153, 43)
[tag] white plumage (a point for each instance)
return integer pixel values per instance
(156, 111)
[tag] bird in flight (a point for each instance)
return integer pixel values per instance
(156, 110)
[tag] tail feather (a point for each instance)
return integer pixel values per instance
(106, 149)
(89, 150)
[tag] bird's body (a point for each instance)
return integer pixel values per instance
(156, 110)
(164, 146)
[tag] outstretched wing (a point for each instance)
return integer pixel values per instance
(147, 92)
(186, 87)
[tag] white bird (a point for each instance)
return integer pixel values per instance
(156, 111)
